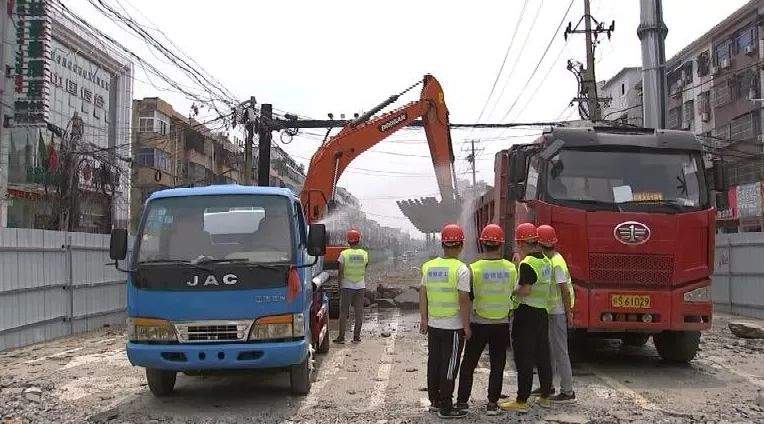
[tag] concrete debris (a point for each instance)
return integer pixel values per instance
(385, 334)
(385, 303)
(411, 370)
(105, 416)
(568, 419)
(408, 300)
(746, 330)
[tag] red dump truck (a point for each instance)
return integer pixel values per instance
(636, 224)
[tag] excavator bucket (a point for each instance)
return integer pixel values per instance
(428, 214)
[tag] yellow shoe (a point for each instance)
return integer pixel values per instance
(544, 402)
(520, 407)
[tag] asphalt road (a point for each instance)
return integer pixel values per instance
(382, 380)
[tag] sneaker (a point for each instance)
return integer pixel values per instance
(339, 341)
(492, 409)
(451, 413)
(544, 402)
(356, 341)
(516, 406)
(564, 398)
(537, 392)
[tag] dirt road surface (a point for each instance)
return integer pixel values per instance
(87, 378)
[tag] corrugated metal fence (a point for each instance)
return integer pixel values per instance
(54, 284)
(738, 285)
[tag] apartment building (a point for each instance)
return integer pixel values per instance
(624, 91)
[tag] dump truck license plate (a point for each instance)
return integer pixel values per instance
(629, 301)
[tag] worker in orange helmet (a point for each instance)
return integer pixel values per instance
(444, 309)
(493, 281)
(560, 316)
(530, 322)
(353, 262)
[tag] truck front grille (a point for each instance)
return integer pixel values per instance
(212, 331)
(608, 268)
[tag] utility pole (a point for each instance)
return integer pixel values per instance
(473, 160)
(264, 146)
(652, 33)
(249, 129)
(586, 76)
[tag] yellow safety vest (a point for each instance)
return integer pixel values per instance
(556, 297)
(440, 281)
(354, 262)
(540, 290)
(493, 281)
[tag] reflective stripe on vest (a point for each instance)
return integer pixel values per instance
(493, 282)
(440, 280)
(354, 264)
(540, 290)
(556, 298)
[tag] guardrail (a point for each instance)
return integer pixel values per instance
(54, 284)
(738, 280)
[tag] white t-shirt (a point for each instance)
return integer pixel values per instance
(347, 284)
(561, 278)
(463, 285)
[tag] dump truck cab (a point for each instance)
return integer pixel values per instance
(224, 278)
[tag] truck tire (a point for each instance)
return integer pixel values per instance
(677, 346)
(323, 346)
(300, 377)
(334, 308)
(635, 339)
(161, 382)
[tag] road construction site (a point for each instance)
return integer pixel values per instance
(87, 378)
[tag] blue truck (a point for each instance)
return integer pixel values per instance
(224, 278)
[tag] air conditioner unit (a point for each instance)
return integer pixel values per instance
(705, 116)
(749, 49)
(725, 63)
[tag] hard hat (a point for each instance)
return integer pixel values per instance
(547, 235)
(452, 233)
(526, 232)
(353, 236)
(492, 234)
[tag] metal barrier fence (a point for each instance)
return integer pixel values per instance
(738, 281)
(54, 284)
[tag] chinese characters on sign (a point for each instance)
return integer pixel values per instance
(33, 36)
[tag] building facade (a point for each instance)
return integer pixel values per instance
(172, 150)
(66, 138)
(625, 93)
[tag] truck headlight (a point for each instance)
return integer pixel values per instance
(150, 330)
(284, 326)
(701, 294)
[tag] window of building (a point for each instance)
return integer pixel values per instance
(704, 105)
(722, 53)
(145, 124)
(674, 118)
(704, 64)
(689, 115)
(623, 89)
(85, 107)
(98, 101)
(97, 113)
(154, 158)
(87, 95)
(744, 39)
(747, 84)
(162, 127)
(722, 132)
(71, 87)
(723, 93)
(745, 127)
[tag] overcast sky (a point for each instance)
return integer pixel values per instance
(315, 57)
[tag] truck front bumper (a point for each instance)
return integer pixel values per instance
(668, 309)
(197, 357)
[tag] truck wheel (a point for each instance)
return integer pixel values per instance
(300, 377)
(635, 339)
(677, 346)
(161, 383)
(334, 309)
(323, 346)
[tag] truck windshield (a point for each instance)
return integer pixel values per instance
(626, 180)
(216, 229)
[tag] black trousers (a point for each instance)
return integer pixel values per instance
(444, 349)
(530, 346)
(496, 336)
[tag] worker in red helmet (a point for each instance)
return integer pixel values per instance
(493, 281)
(530, 322)
(444, 308)
(353, 262)
(560, 316)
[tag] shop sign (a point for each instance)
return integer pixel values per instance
(748, 198)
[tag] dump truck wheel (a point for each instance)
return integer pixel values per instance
(677, 346)
(300, 377)
(635, 339)
(161, 383)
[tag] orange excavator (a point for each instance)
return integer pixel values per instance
(359, 135)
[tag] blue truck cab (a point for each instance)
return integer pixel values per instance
(224, 278)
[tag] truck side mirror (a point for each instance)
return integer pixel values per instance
(118, 244)
(317, 240)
